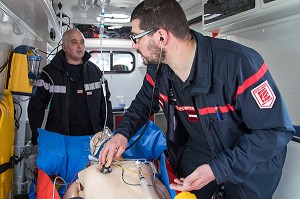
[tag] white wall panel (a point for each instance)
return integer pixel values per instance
(279, 43)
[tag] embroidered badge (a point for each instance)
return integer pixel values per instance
(89, 93)
(79, 91)
(264, 95)
(161, 104)
(192, 116)
(161, 99)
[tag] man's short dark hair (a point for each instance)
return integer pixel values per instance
(166, 14)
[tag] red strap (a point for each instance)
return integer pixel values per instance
(45, 187)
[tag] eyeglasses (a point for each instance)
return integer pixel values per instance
(140, 35)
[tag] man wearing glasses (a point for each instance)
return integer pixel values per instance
(227, 123)
(137, 36)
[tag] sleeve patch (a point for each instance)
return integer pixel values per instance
(264, 95)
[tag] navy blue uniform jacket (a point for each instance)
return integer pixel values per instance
(253, 127)
(58, 119)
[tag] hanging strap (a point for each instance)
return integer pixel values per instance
(9, 165)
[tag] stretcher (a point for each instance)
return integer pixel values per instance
(58, 160)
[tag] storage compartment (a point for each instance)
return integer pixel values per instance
(222, 16)
(216, 10)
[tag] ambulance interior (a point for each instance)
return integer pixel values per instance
(272, 27)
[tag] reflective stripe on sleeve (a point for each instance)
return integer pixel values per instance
(58, 89)
(92, 86)
(51, 88)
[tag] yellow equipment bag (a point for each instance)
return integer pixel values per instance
(23, 62)
(6, 144)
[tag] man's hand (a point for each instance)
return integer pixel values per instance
(112, 149)
(195, 181)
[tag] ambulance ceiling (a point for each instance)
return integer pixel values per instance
(87, 11)
(39, 17)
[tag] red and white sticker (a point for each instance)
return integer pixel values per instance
(192, 116)
(79, 91)
(264, 95)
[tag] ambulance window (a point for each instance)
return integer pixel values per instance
(114, 61)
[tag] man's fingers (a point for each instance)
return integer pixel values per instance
(178, 181)
(103, 155)
(112, 149)
(179, 187)
(110, 157)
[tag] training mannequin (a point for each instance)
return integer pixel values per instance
(92, 183)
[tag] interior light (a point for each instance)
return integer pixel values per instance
(114, 18)
(114, 27)
(5, 17)
(98, 18)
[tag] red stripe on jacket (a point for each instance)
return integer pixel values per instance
(212, 109)
(202, 111)
(252, 80)
(149, 79)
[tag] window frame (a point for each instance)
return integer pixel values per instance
(111, 57)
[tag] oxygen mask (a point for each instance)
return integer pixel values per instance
(34, 67)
